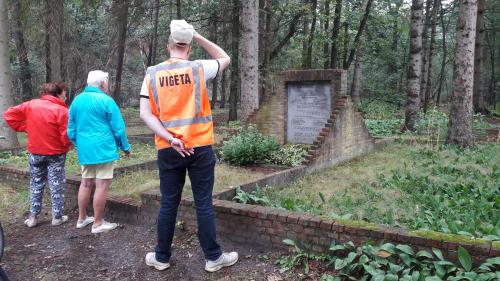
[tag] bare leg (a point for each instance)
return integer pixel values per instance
(84, 197)
(100, 196)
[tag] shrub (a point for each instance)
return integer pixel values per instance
(248, 147)
(289, 155)
(256, 197)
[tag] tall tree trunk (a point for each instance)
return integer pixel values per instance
(425, 46)
(310, 40)
(490, 39)
(268, 42)
(22, 53)
(55, 18)
(48, 24)
(306, 31)
(154, 48)
(460, 123)
(235, 37)
(356, 80)
(178, 7)
(393, 69)
(6, 95)
(346, 44)
(357, 39)
(121, 21)
(432, 45)
(444, 30)
(478, 93)
(223, 80)
(326, 48)
(250, 59)
(292, 29)
(215, 81)
(222, 103)
(414, 67)
(335, 34)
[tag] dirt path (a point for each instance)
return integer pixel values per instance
(67, 253)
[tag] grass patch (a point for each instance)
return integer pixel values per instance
(140, 153)
(13, 202)
(138, 130)
(132, 184)
(419, 187)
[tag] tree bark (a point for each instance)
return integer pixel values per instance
(415, 67)
(178, 9)
(249, 59)
(22, 53)
(357, 39)
(444, 30)
(305, 31)
(215, 81)
(55, 18)
(310, 39)
(291, 32)
(346, 44)
(335, 34)
(425, 46)
(432, 45)
(222, 103)
(393, 69)
(356, 80)
(460, 123)
(478, 93)
(9, 139)
(235, 36)
(490, 40)
(266, 83)
(326, 47)
(122, 19)
(48, 24)
(155, 33)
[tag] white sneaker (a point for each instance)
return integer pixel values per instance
(226, 259)
(151, 261)
(103, 227)
(60, 221)
(31, 222)
(85, 222)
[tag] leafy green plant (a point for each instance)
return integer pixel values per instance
(388, 261)
(248, 147)
(289, 155)
(256, 197)
(297, 257)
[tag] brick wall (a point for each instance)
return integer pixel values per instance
(268, 227)
(343, 137)
(271, 117)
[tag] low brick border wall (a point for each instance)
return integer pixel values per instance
(268, 227)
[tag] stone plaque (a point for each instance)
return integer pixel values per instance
(309, 107)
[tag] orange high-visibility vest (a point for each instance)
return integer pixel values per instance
(178, 97)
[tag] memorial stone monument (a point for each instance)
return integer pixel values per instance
(308, 108)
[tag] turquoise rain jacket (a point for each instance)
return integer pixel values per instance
(96, 127)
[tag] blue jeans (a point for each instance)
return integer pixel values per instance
(172, 168)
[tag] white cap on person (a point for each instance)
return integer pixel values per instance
(181, 32)
(96, 77)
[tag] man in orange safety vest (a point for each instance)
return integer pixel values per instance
(175, 105)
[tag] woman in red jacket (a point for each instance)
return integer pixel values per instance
(45, 121)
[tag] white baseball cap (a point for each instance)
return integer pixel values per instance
(181, 32)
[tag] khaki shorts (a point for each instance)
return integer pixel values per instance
(98, 171)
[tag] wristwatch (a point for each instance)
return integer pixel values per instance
(170, 139)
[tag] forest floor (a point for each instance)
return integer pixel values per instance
(66, 253)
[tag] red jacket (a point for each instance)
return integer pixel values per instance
(45, 121)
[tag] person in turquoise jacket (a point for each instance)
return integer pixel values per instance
(97, 130)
